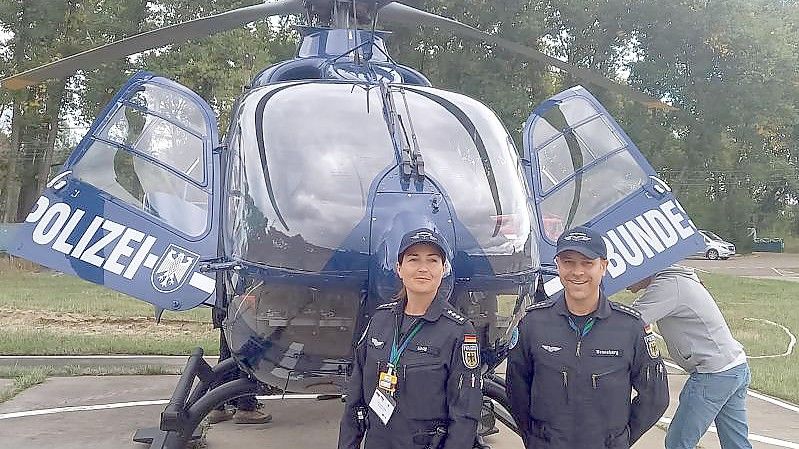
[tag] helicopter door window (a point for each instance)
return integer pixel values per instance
(173, 140)
(145, 185)
(586, 137)
(596, 190)
(172, 105)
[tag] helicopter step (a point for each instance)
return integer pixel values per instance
(187, 407)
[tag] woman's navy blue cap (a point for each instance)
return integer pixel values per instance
(422, 235)
(584, 240)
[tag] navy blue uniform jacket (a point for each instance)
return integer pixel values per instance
(434, 387)
(565, 397)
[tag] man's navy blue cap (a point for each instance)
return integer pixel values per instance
(584, 240)
(422, 235)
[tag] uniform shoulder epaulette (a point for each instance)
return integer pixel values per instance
(540, 305)
(626, 309)
(454, 316)
(388, 305)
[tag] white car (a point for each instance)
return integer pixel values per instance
(716, 247)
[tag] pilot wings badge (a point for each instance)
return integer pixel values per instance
(173, 268)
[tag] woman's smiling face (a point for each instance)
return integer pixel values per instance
(421, 269)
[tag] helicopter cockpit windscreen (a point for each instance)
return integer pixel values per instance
(469, 152)
(309, 154)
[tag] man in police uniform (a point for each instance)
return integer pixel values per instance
(570, 375)
(416, 379)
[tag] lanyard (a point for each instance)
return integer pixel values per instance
(397, 351)
(589, 323)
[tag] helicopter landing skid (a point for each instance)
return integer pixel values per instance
(188, 407)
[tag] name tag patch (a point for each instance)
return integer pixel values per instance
(425, 349)
(607, 353)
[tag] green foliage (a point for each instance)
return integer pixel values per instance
(729, 151)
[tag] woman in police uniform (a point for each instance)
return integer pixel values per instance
(416, 373)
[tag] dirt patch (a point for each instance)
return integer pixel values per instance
(77, 324)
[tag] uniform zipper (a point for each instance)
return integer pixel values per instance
(565, 374)
(579, 343)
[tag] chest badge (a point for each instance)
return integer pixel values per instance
(377, 343)
(551, 349)
(470, 351)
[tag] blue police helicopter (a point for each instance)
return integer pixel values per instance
(289, 224)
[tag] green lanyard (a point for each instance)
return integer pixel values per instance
(396, 352)
(589, 323)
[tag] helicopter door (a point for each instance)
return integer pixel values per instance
(583, 169)
(134, 207)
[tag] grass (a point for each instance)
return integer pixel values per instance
(55, 343)
(23, 380)
(51, 291)
(47, 313)
(26, 377)
(773, 300)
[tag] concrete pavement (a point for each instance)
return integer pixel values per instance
(115, 406)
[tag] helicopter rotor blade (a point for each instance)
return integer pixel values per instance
(406, 15)
(173, 34)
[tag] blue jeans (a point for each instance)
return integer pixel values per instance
(705, 398)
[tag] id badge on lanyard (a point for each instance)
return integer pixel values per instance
(382, 402)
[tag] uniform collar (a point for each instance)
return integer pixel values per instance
(433, 313)
(603, 311)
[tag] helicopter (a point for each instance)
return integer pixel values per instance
(290, 222)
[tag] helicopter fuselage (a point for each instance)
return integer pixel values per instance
(323, 179)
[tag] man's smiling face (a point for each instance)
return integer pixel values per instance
(580, 275)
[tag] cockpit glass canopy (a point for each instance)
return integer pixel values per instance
(307, 158)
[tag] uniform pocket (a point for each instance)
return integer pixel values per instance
(612, 387)
(550, 392)
(424, 391)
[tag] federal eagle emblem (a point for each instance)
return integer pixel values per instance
(173, 268)
(470, 351)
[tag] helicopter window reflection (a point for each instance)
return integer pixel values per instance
(157, 138)
(323, 146)
(600, 187)
(501, 225)
(144, 185)
(171, 104)
(587, 137)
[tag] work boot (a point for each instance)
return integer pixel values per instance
(217, 415)
(251, 417)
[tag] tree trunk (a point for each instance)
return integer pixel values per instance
(11, 189)
(55, 101)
